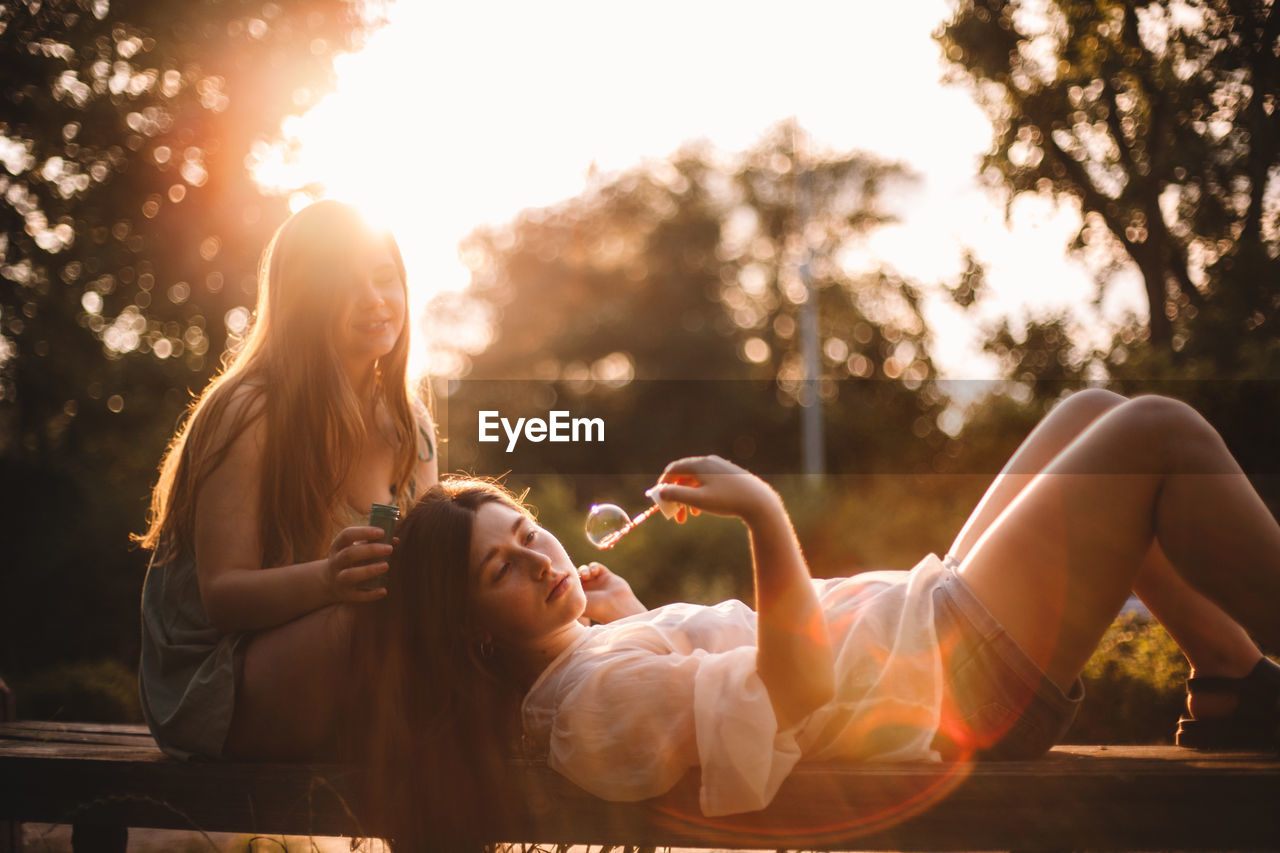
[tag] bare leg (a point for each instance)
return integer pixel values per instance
(1158, 470)
(288, 697)
(1213, 642)
(1054, 432)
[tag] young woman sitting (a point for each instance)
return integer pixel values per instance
(259, 519)
(482, 642)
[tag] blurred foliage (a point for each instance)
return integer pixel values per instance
(129, 234)
(676, 287)
(131, 223)
(1159, 120)
(69, 586)
(1135, 686)
(103, 691)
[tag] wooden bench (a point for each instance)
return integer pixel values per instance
(102, 778)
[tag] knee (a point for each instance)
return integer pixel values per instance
(1163, 421)
(1090, 403)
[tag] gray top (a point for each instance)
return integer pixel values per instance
(189, 669)
(187, 675)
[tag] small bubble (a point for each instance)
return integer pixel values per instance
(606, 523)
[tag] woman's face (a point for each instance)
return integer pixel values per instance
(524, 587)
(372, 313)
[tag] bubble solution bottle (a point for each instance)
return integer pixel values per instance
(384, 516)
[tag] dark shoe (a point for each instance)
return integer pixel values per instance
(1255, 722)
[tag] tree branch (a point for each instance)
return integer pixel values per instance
(1113, 124)
(1261, 62)
(1092, 199)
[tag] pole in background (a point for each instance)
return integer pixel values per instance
(811, 437)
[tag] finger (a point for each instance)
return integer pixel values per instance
(361, 596)
(355, 574)
(681, 494)
(683, 470)
(354, 555)
(350, 535)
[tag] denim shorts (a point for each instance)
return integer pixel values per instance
(997, 703)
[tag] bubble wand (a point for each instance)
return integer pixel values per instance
(607, 523)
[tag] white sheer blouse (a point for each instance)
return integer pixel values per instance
(632, 705)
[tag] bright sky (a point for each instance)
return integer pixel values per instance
(475, 111)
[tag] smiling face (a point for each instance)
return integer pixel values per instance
(372, 314)
(524, 588)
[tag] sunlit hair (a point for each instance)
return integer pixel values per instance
(433, 715)
(289, 372)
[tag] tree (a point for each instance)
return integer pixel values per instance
(1159, 119)
(669, 297)
(130, 233)
(131, 224)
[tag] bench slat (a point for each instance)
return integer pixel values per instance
(55, 751)
(23, 726)
(77, 737)
(1077, 797)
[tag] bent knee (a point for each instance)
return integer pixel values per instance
(1154, 410)
(1164, 422)
(1090, 403)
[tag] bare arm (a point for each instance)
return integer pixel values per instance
(794, 658)
(236, 593)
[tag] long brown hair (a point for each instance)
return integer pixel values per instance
(289, 373)
(433, 714)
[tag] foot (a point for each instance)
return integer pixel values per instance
(1230, 712)
(1209, 702)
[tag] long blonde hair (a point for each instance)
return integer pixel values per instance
(289, 372)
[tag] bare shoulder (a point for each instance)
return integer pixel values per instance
(238, 424)
(227, 501)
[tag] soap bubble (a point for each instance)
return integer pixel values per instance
(606, 523)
